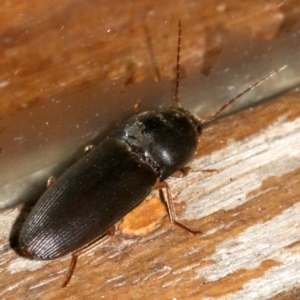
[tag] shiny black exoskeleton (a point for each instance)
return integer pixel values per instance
(107, 183)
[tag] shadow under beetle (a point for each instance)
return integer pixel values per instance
(112, 179)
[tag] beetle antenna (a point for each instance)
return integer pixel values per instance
(212, 117)
(176, 97)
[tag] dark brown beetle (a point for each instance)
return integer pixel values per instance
(112, 179)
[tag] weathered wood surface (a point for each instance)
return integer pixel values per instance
(248, 210)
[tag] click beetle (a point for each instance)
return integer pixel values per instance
(113, 178)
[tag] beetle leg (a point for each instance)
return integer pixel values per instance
(71, 269)
(185, 171)
(88, 148)
(110, 232)
(170, 207)
(137, 106)
(181, 173)
(51, 180)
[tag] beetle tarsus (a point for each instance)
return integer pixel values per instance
(171, 209)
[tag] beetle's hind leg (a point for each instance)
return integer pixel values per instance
(170, 206)
(71, 269)
(76, 254)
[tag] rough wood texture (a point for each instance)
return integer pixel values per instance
(248, 209)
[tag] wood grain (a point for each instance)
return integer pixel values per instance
(52, 47)
(248, 209)
(248, 212)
